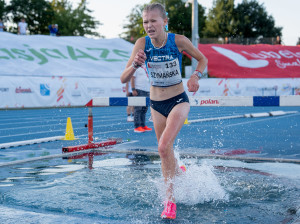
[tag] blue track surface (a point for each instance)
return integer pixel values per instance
(276, 137)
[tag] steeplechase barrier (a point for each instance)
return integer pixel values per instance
(93, 151)
(216, 101)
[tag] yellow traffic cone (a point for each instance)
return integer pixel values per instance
(69, 131)
(186, 121)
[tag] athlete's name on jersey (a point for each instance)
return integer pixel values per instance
(161, 58)
(160, 75)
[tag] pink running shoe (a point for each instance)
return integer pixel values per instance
(183, 168)
(169, 211)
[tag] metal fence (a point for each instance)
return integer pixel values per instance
(241, 40)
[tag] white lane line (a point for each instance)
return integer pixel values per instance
(33, 133)
(261, 120)
(63, 130)
(99, 133)
(60, 120)
(62, 123)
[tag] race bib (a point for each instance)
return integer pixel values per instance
(164, 74)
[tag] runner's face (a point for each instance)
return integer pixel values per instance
(153, 23)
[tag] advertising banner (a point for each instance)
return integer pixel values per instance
(27, 92)
(44, 56)
(247, 87)
(252, 61)
(33, 92)
(46, 71)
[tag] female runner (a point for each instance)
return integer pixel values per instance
(162, 54)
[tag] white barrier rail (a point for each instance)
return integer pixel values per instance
(216, 101)
(30, 142)
(151, 153)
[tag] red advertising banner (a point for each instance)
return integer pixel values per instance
(252, 61)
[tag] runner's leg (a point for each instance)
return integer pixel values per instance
(166, 130)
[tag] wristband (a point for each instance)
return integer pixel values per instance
(133, 89)
(198, 74)
(135, 65)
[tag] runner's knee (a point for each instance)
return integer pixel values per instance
(163, 149)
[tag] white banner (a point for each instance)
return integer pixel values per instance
(28, 92)
(42, 56)
(248, 87)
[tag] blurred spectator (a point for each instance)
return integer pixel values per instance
(53, 28)
(226, 40)
(2, 27)
(22, 27)
(140, 87)
(278, 40)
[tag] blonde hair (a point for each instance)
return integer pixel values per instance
(158, 6)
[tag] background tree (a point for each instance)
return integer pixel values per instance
(252, 21)
(37, 13)
(180, 17)
(134, 29)
(2, 9)
(220, 21)
(74, 22)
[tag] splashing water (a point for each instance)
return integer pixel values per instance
(197, 185)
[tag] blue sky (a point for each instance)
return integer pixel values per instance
(113, 15)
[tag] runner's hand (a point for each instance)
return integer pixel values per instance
(140, 58)
(193, 84)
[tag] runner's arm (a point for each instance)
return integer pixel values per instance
(184, 44)
(136, 59)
